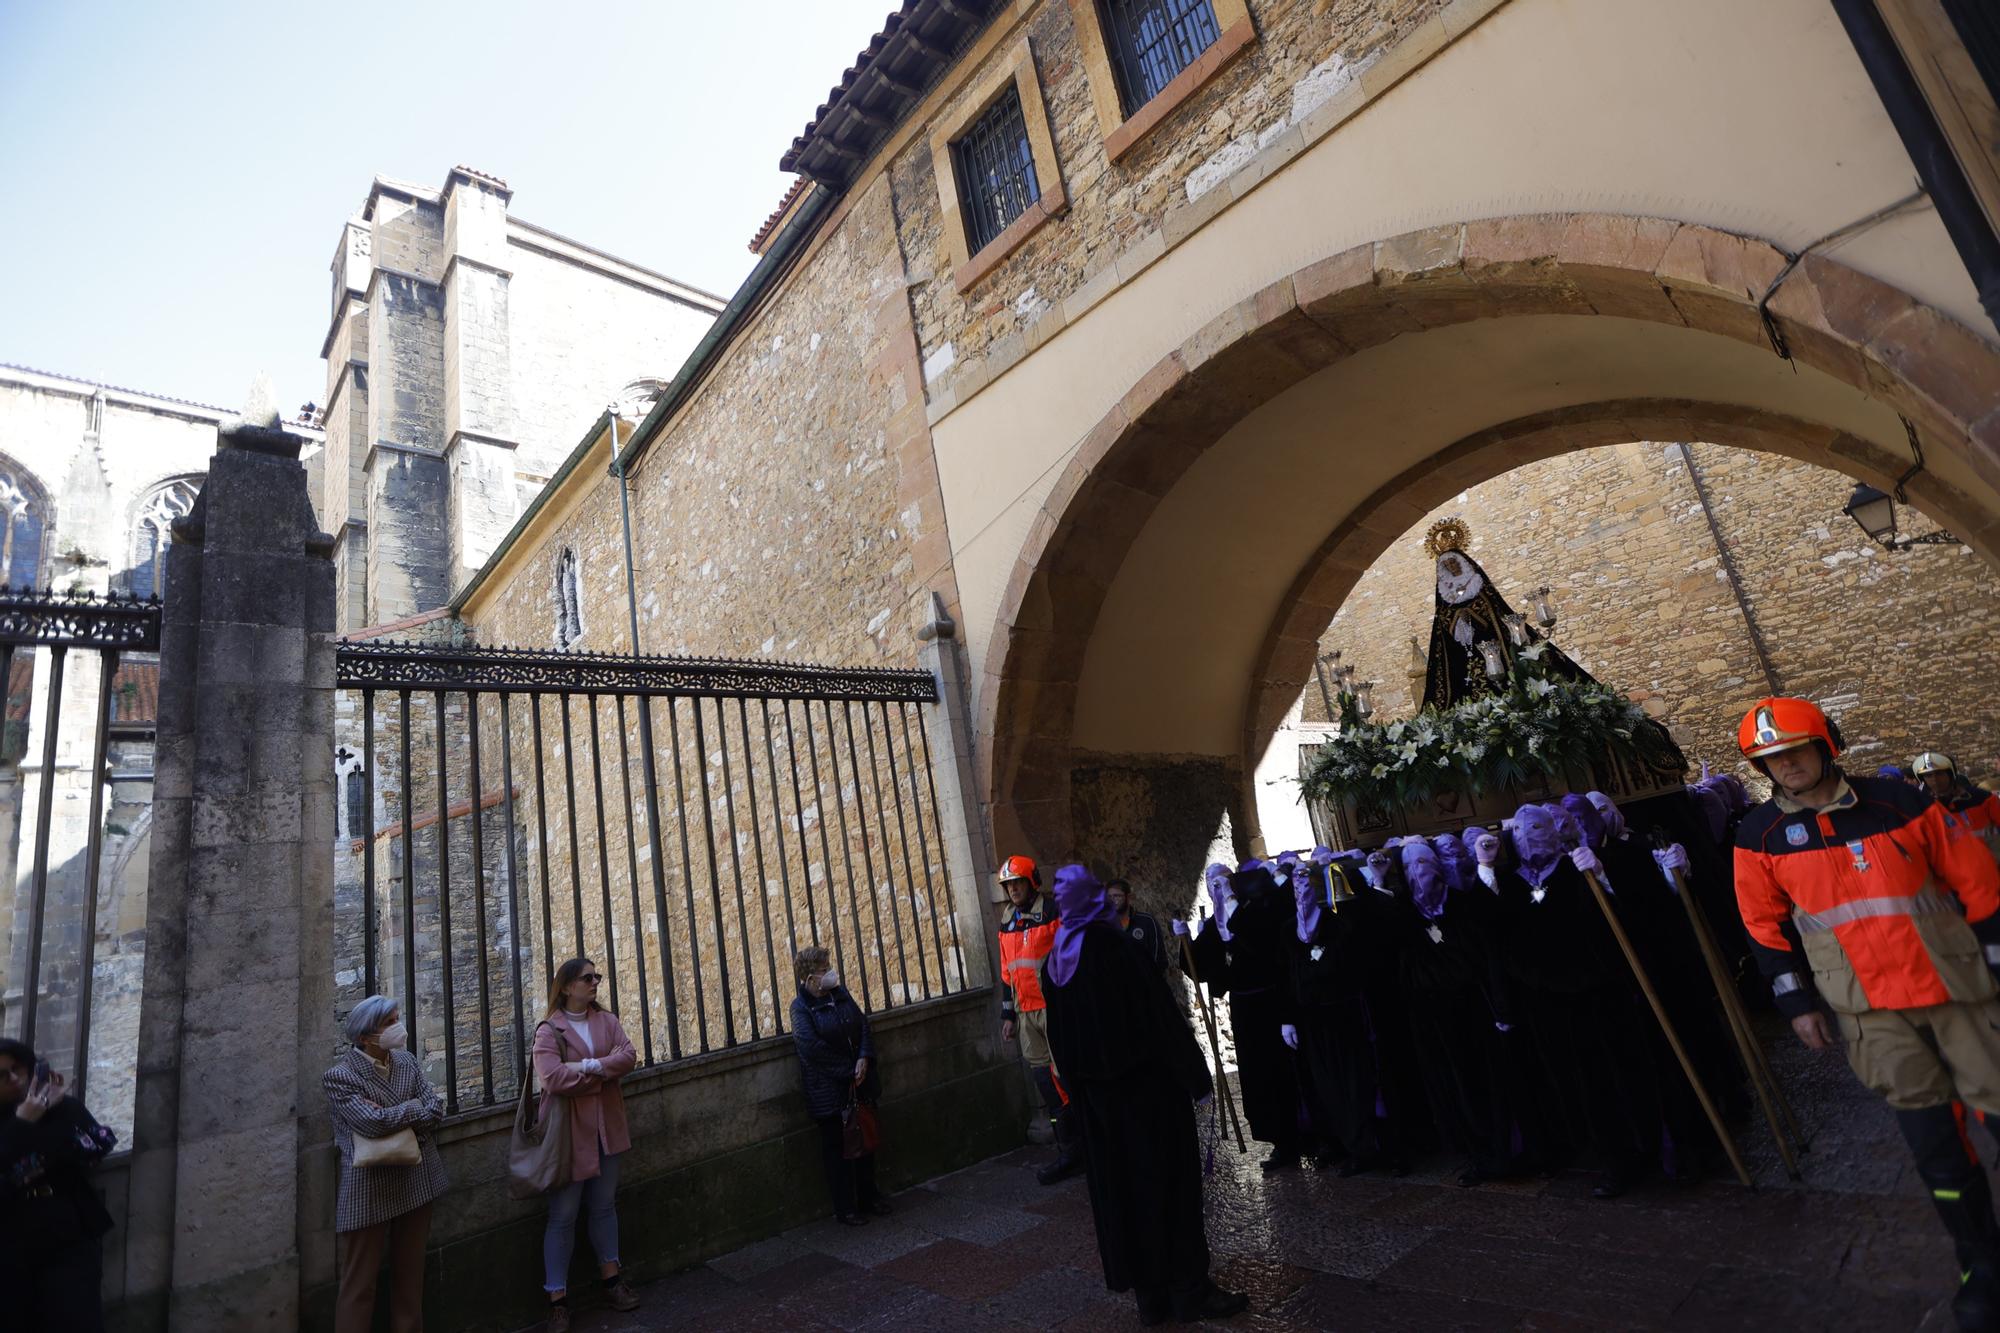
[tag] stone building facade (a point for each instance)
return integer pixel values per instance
(465, 349)
(1071, 432)
(91, 477)
(1897, 644)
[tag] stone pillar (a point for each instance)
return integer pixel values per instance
(481, 429)
(948, 727)
(231, 1215)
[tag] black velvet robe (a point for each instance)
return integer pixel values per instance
(1132, 1068)
(1257, 971)
(1588, 1025)
(1456, 997)
(1354, 1044)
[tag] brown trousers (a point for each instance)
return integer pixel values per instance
(401, 1239)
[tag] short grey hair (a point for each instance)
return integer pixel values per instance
(365, 1018)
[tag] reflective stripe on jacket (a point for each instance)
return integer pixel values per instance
(1864, 882)
(1025, 940)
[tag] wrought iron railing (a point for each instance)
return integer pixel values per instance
(1151, 41)
(687, 823)
(52, 912)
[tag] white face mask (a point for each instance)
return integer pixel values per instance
(829, 979)
(393, 1037)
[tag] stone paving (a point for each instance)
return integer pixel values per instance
(1854, 1247)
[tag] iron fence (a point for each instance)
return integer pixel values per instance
(773, 805)
(51, 915)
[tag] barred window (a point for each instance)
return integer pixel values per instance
(995, 167)
(1151, 41)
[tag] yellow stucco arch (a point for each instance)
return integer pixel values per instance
(1169, 592)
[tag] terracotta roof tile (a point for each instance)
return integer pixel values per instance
(778, 215)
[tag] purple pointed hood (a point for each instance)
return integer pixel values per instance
(1584, 812)
(1608, 811)
(1309, 894)
(1537, 843)
(1425, 876)
(1567, 828)
(1714, 811)
(1220, 894)
(1456, 859)
(1081, 902)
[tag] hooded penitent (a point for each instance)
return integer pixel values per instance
(1081, 901)
(1471, 839)
(1382, 866)
(1425, 876)
(1220, 894)
(1567, 829)
(1456, 860)
(1309, 893)
(1735, 796)
(1614, 818)
(1537, 844)
(1584, 812)
(1714, 810)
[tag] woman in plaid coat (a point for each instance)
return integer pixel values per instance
(374, 1090)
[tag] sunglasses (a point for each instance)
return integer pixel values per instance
(592, 977)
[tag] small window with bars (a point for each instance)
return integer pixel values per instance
(1151, 41)
(995, 166)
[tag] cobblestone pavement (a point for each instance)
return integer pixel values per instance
(1855, 1247)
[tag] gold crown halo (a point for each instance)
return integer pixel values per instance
(1447, 534)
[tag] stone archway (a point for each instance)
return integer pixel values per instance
(1725, 297)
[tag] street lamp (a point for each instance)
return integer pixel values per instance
(1874, 512)
(1545, 611)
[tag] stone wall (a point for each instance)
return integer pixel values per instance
(1305, 54)
(1898, 646)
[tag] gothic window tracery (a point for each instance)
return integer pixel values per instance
(569, 600)
(25, 512)
(153, 530)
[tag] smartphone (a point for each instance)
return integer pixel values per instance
(42, 1075)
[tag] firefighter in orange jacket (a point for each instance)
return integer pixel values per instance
(1968, 808)
(1027, 933)
(1859, 874)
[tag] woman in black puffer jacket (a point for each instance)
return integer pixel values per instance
(837, 1066)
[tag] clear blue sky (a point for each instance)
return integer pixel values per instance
(173, 177)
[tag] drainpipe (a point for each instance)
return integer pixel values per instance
(625, 517)
(1944, 180)
(1729, 572)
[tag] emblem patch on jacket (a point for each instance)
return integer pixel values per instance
(1795, 834)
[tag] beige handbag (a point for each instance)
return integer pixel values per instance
(538, 1151)
(395, 1149)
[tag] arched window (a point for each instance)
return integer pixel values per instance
(569, 600)
(24, 508)
(152, 531)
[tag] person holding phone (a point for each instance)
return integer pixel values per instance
(52, 1222)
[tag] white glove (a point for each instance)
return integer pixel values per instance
(1180, 928)
(1489, 877)
(1502, 1027)
(1586, 860)
(1669, 860)
(592, 1065)
(1290, 1034)
(1487, 849)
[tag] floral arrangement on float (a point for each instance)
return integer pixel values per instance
(1502, 707)
(1535, 726)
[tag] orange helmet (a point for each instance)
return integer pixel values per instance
(1780, 723)
(1020, 867)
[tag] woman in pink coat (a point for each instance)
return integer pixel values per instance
(580, 1054)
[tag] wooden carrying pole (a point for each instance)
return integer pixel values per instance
(1667, 1027)
(1769, 1095)
(1214, 1043)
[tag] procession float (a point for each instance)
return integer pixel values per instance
(1506, 718)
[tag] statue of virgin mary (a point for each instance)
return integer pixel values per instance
(1473, 648)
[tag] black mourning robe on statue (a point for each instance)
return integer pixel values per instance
(1132, 1067)
(1457, 669)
